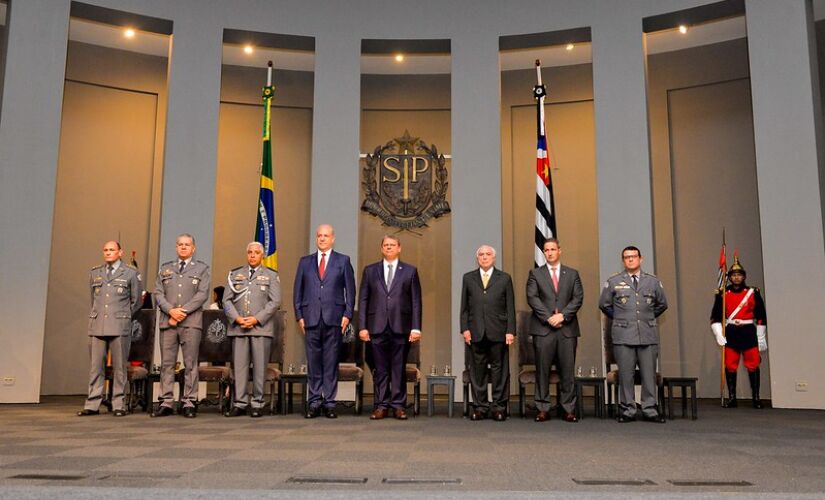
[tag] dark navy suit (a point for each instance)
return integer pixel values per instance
(321, 303)
(390, 316)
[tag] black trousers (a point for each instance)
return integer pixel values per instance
(495, 355)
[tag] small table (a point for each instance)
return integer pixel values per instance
(434, 380)
(684, 383)
(597, 383)
(289, 380)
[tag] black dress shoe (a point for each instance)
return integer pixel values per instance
(623, 419)
(570, 417)
(499, 416)
(730, 403)
(163, 411)
(190, 412)
(656, 419)
(119, 413)
(542, 416)
(235, 412)
(87, 413)
(330, 413)
(256, 413)
(312, 413)
(476, 416)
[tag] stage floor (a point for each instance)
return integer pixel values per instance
(775, 451)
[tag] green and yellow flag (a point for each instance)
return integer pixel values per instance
(265, 228)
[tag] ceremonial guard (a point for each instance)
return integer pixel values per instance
(745, 332)
(634, 300)
(181, 289)
(116, 297)
(251, 299)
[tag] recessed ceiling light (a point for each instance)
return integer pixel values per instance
(682, 29)
(129, 33)
(569, 46)
(399, 57)
(248, 49)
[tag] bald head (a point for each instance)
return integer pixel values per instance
(324, 237)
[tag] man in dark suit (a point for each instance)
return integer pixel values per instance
(555, 294)
(390, 317)
(324, 298)
(488, 323)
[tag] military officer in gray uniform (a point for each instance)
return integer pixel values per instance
(116, 297)
(634, 299)
(181, 289)
(251, 299)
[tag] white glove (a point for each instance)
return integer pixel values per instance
(716, 328)
(761, 337)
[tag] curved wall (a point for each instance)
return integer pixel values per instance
(793, 258)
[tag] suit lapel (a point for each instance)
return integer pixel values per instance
(477, 279)
(330, 258)
(548, 280)
(379, 269)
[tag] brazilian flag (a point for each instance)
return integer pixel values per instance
(265, 228)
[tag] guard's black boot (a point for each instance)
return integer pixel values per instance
(731, 380)
(754, 378)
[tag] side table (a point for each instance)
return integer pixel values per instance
(288, 381)
(687, 384)
(597, 383)
(434, 380)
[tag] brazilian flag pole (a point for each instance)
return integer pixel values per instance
(265, 228)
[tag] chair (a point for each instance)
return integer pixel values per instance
(216, 349)
(276, 360)
(139, 362)
(611, 373)
(412, 371)
(527, 361)
(351, 365)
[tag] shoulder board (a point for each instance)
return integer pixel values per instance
(130, 266)
(202, 262)
(167, 263)
(97, 267)
(274, 271)
(614, 275)
(237, 269)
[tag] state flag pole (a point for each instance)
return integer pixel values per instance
(545, 205)
(722, 285)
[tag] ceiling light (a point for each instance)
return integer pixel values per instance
(569, 46)
(682, 29)
(248, 49)
(399, 57)
(129, 33)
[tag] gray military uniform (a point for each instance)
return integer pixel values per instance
(115, 299)
(258, 296)
(634, 311)
(187, 289)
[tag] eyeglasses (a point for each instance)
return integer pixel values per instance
(630, 257)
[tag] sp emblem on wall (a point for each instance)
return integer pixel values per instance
(405, 183)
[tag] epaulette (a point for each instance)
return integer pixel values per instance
(202, 262)
(615, 274)
(130, 266)
(97, 267)
(273, 270)
(237, 269)
(167, 263)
